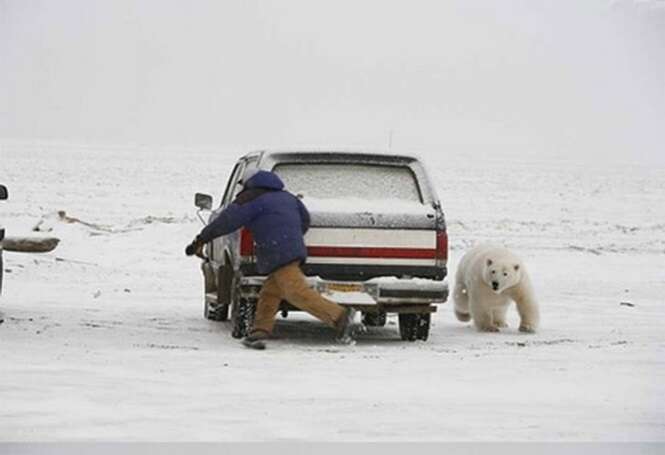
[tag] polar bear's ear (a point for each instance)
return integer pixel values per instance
(517, 267)
(489, 262)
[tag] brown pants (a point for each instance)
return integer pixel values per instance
(289, 283)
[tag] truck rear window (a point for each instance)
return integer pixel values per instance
(338, 181)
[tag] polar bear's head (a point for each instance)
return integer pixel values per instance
(500, 275)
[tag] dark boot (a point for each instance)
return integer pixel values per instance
(256, 340)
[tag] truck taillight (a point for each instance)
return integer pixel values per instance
(246, 243)
(442, 247)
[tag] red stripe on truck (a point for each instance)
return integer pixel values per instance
(360, 252)
(441, 252)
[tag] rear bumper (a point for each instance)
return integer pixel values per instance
(384, 292)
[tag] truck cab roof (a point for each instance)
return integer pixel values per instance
(269, 159)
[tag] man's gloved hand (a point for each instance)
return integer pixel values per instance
(195, 248)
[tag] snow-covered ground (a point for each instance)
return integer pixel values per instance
(104, 338)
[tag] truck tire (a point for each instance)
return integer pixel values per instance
(215, 312)
(414, 327)
(374, 319)
(223, 286)
(242, 316)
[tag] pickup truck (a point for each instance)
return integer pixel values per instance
(3, 196)
(377, 239)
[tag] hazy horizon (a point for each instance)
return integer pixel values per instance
(539, 78)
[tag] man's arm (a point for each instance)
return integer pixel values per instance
(239, 213)
(231, 219)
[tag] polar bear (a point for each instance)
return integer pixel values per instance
(488, 278)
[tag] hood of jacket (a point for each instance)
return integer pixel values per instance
(265, 179)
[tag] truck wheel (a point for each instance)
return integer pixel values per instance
(414, 327)
(242, 316)
(374, 319)
(218, 311)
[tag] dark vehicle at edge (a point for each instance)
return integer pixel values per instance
(4, 194)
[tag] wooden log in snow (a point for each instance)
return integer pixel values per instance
(30, 244)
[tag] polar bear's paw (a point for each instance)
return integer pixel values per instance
(488, 328)
(464, 317)
(501, 324)
(527, 328)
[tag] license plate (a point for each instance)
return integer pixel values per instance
(344, 287)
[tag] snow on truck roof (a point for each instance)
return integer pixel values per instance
(335, 155)
(270, 159)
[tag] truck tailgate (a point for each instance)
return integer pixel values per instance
(351, 242)
(356, 246)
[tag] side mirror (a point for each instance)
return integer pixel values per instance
(203, 201)
(3, 192)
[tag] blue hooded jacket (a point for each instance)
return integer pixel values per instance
(276, 218)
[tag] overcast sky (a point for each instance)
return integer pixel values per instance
(552, 78)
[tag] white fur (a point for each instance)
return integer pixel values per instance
(476, 299)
